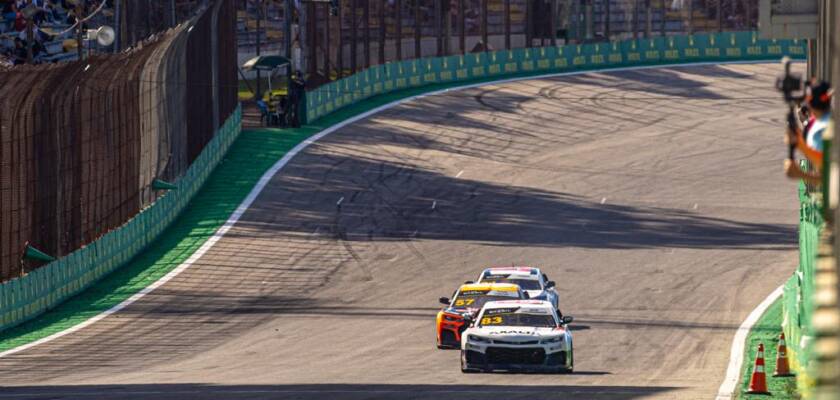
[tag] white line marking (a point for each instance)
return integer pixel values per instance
(736, 355)
(459, 174)
(603, 200)
(434, 204)
(695, 206)
(338, 203)
(268, 175)
(415, 233)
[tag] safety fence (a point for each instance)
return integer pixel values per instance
(44, 288)
(335, 39)
(389, 77)
(84, 146)
(798, 294)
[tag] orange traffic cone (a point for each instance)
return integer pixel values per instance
(758, 381)
(782, 366)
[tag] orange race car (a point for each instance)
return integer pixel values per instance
(463, 307)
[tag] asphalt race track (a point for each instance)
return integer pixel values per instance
(655, 198)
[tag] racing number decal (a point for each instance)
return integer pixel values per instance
(464, 302)
(491, 320)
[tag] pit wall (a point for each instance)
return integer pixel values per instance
(485, 66)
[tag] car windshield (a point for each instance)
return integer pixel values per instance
(524, 284)
(513, 317)
(477, 298)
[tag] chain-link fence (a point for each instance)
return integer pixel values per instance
(339, 41)
(85, 145)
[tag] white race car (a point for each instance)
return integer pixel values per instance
(531, 280)
(518, 335)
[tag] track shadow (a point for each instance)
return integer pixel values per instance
(332, 391)
(388, 200)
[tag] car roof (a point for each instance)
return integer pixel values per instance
(518, 271)
(502, 287)
(509, 303)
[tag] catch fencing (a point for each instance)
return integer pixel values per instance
(357, 34)
(798, 295)
(397, 75)
(85, 146)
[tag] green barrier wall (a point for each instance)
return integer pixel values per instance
(730, 46)
(798, 296)
(26, 297)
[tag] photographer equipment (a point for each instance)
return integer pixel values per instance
(793, 90)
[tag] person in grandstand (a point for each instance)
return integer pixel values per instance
(818, 96)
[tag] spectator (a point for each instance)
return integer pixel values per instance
(808, 140)
(296, 96)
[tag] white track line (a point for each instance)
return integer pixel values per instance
(736, 355)
(268, 175)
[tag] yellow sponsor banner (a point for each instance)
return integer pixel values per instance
(733, 52)
(461, 73)
(795, 50)
(615, 58)
(579, 60)
(561, 63)
(692, 52)
(634, 56)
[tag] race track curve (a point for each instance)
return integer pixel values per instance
(655, 198)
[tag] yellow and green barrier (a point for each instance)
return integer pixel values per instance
(398, 75)
(24, 298)
(798, 295)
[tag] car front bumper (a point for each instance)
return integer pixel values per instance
(533, 358)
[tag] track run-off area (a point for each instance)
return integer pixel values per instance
(653, 197)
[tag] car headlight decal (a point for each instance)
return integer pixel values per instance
(450, 317)
(478, 339)
(555, 339)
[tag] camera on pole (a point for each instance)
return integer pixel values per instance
(793, 89)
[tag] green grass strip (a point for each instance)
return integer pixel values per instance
(249, 157)
(766, 331)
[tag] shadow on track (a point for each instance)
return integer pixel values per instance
(393, 201)
(329, 391)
